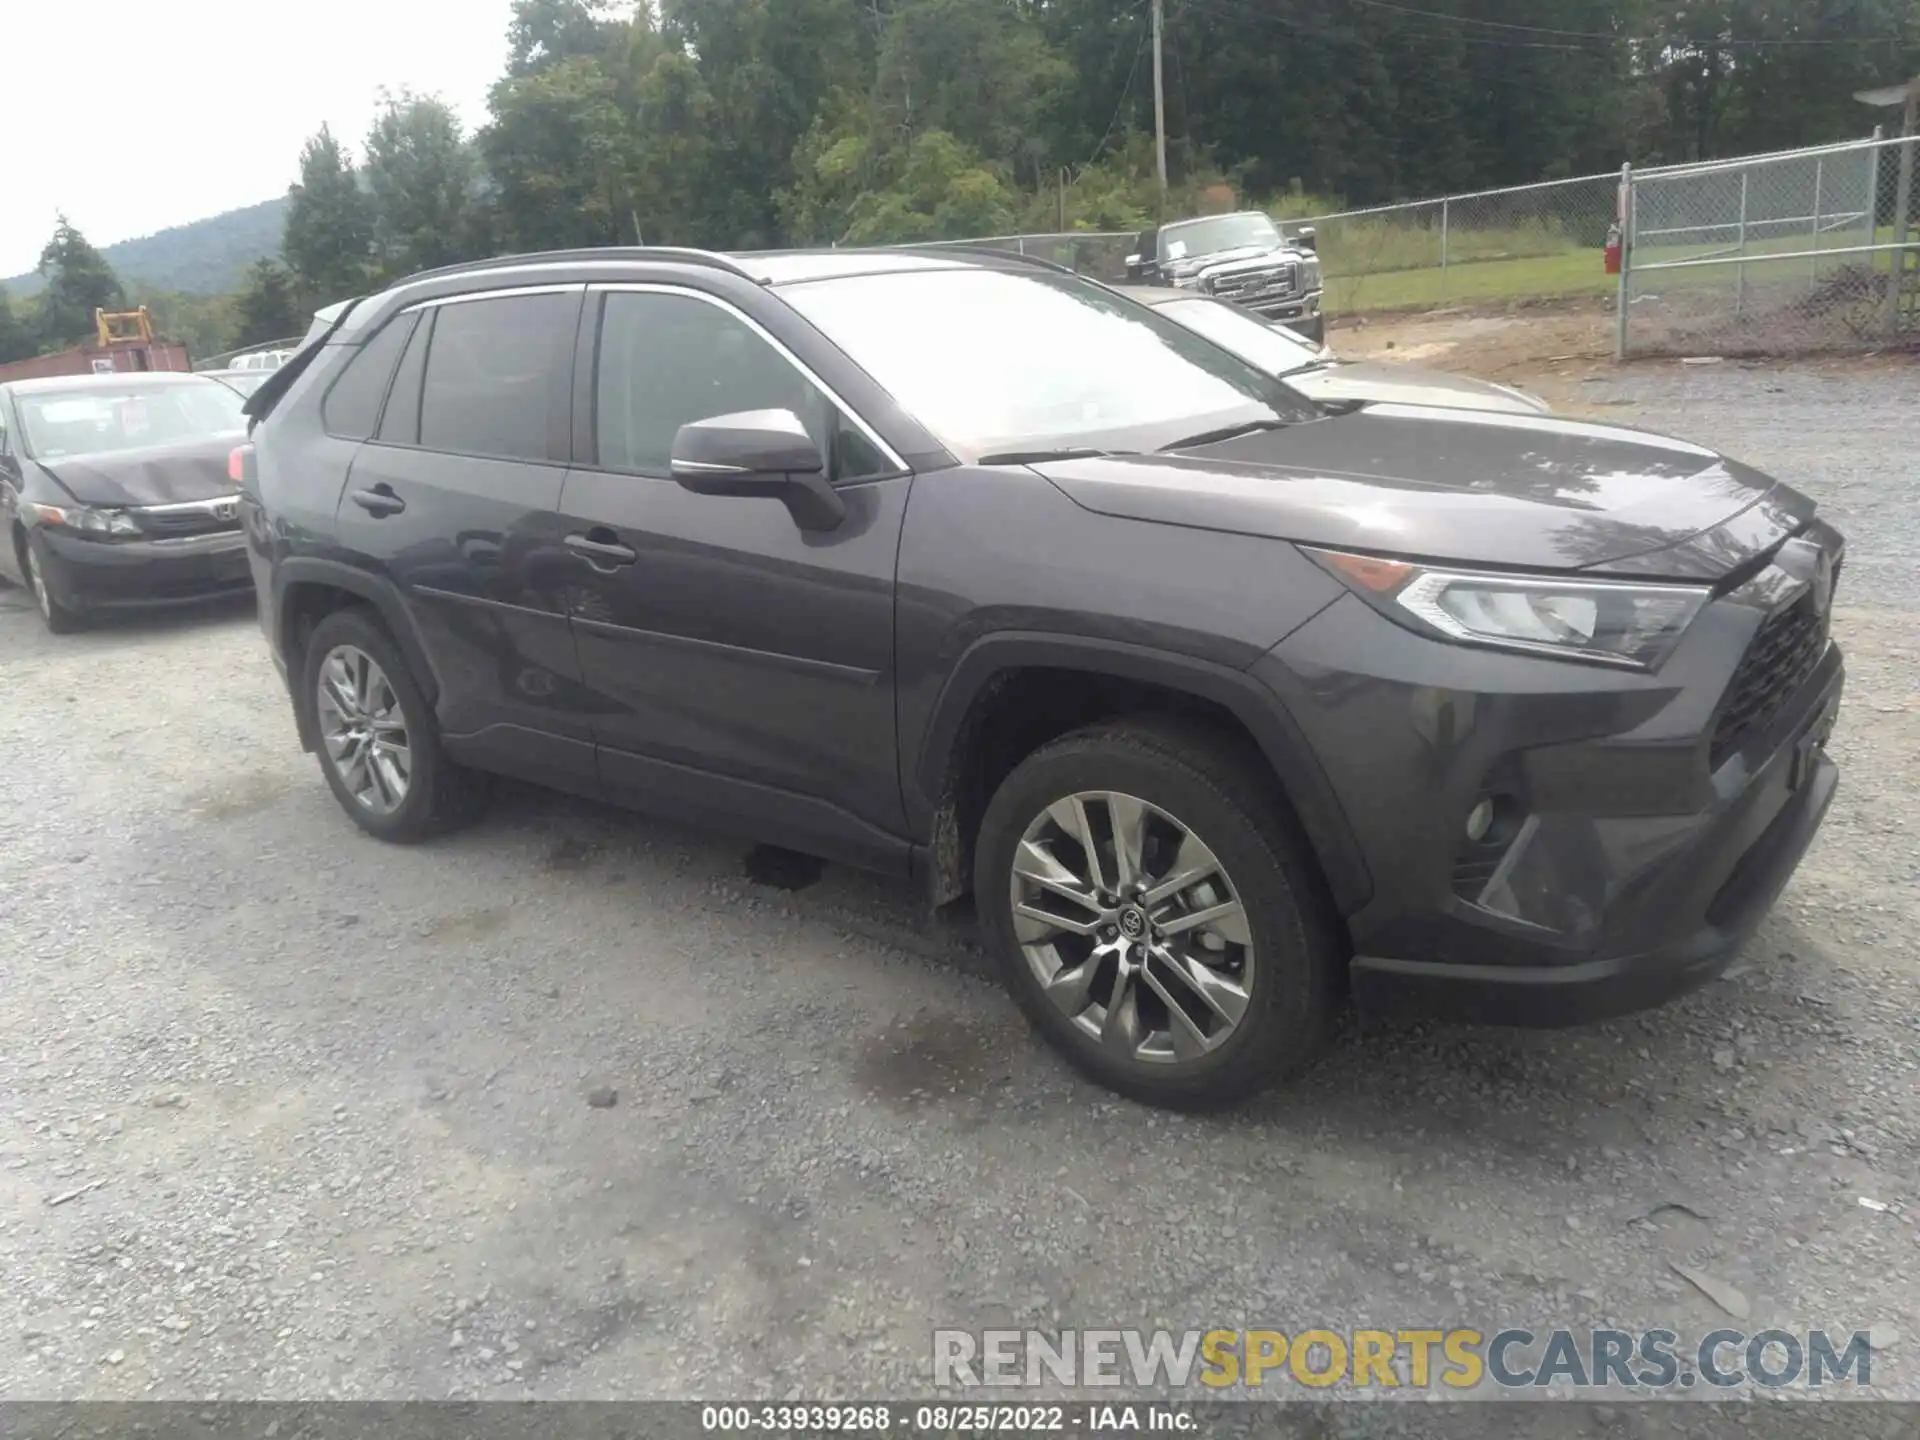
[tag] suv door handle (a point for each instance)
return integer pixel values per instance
(601, 552)
(378, 501)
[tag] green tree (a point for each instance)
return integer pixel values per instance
(268, 306)
(79, 281)
(328, 241)
(557, 152)
(16, 338)
(981, 70)
(422, 178)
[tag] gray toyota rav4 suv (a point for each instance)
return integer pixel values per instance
(1220, 705)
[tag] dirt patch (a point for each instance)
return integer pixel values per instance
(935, 1057)
(1553, 349)
(466, 925)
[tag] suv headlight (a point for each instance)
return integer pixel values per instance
(87, 519)
(1600, 621)
(1310, 274)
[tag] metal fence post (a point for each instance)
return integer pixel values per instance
(1626, 261)
(1873, 193)
(1740, 271)
(1446, 216)
(1819, 178)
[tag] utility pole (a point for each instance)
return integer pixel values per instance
(1159, 105)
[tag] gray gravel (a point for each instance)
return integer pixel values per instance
(568, 1106)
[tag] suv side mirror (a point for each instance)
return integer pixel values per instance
(1309, 238)
(764, 453)
(1132, 262)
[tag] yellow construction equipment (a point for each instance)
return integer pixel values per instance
(123, 327)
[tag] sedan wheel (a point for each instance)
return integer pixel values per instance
(1133, 927)
(59, 619)
(363, 729)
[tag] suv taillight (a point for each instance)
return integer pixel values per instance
(240, 464)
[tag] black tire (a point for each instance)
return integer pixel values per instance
(441, 796)
(1224, 797)
(58, 618)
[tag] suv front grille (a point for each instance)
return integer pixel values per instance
(1783, 654)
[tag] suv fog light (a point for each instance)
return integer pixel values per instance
(1480, 820)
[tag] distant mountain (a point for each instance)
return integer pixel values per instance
(206, 257)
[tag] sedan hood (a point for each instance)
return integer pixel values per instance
(1468, 487)
(159, 475)
(1374, 383)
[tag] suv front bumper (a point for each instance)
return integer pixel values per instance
(1630, 871)
(1717, 890)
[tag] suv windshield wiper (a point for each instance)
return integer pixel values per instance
(1036, 457)
(1226, 432)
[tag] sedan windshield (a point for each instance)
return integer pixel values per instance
(1217, 232)
(1002, 362)
(1274, 348)
(63, 423)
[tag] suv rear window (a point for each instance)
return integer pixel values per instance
(352, 406)
(497, 373)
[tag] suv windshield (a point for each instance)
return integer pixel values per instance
(1274, 348)
(997, 361)
(1219, 232)
(62, 423)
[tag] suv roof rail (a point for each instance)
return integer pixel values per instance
(963, 247)
(680, 254)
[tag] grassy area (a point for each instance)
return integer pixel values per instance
(1506, 265)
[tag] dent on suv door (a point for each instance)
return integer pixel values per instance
(742, 668)
(457, 497)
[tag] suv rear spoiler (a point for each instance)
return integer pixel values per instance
(326, 322)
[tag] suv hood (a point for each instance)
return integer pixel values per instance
(156, 475)
(1534, 492)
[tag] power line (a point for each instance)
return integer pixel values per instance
(1614, 38)
(1259, 12)
(1126, 91)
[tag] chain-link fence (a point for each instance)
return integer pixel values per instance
(1523, 243)
(1799, 250)
(1775, 254)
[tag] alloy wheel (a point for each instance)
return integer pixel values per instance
(364, 730)
(1132, 927)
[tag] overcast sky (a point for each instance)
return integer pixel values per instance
(134, 115)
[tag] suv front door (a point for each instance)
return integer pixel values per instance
(741, 667)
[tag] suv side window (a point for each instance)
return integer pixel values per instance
(351, 410)
(668, 359)
(497, 376)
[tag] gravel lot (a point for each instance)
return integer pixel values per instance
(285, 1113)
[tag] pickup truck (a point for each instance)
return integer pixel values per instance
(1242, 258)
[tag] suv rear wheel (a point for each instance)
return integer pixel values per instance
(1157, 917)
(379, 748)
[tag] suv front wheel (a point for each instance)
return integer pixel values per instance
(1156, 915)
(379, 747)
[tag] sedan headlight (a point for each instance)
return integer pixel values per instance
(1599, 621)
(88, 519)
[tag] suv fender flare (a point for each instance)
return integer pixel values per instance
(382, 594)
(1254, 705)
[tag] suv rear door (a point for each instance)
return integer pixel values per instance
(456, 498)
(741, 667)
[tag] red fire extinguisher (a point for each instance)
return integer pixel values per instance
(1613, 250)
